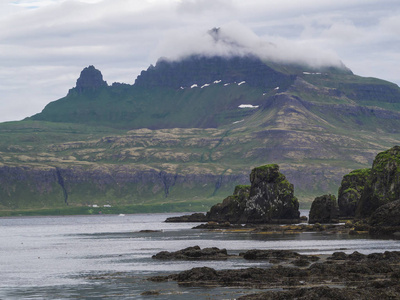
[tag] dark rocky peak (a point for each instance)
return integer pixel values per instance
(202, 70)
(90, 79)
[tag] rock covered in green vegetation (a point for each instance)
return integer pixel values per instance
(383, 184)
(231, 207)
(324, 209)
(350, 191)
(363, 191)
(269, 199)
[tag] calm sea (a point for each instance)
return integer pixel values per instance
(107, 257)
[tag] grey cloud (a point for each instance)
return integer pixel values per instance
(200, 6)
(235, 39)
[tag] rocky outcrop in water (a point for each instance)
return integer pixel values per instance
(383, 185)
(193, 253)
(362, 192)
(350, 191)
(196, 217)
(269, 199)
(324, 209)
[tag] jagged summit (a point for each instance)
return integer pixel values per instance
(90, 79)
(202, 70)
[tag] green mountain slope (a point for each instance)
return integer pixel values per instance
(165, 143)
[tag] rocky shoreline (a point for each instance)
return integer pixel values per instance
(292, 275)
(368, 204)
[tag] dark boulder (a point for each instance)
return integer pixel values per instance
(386, 219)
(196, 217)
(324, 209)
(257, 254)
(386, 215)
(193, 253)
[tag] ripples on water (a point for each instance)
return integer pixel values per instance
(107, 257)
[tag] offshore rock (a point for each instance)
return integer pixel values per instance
(269, 199)
(196, 217)
(193, 253)
(324, 209)
(350, 191)
(383, 184)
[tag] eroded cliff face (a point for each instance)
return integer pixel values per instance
(46, 186)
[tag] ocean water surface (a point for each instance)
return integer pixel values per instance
(108, 257)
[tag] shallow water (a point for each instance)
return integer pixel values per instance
(106, 256)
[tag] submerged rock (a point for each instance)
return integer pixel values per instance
(193, 253)
(196, 217)
(324, 209)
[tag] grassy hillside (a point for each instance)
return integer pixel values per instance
(156, 145)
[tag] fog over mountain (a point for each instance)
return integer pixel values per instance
(44, 44)
(235, 39)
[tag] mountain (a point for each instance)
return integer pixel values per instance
(186, 132)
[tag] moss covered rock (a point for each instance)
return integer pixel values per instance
(350, 191)
(383, 184)
(231, 207)
(324, 209)
(269, 199)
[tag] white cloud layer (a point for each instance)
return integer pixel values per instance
(44, 44)
(234, 39)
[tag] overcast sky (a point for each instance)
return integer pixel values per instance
(44, 44)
